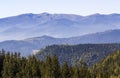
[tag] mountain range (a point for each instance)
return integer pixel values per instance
(56, 25)
(29, 45)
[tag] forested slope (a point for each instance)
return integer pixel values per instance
(109, 67)
(90, 53)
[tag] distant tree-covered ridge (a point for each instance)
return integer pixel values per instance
(15, 66)
(89, 53)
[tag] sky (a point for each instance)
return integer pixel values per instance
(80, 7)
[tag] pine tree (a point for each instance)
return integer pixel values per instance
(48, 67)
(2, 56)
(76, 72)
(65, 70)
(55, 67)
(35, 68)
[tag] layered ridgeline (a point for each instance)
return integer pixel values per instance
(56, 25)
(89, 53)
(28, 46)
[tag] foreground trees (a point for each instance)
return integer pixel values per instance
(15, 66)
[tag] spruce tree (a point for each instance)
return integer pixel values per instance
(65, 70)
(48, 67)
(55, 67)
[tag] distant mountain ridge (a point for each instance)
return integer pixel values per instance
(27, 46)
(56, 25)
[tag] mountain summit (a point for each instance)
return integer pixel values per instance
(56, 25)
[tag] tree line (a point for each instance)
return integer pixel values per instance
(12, 65)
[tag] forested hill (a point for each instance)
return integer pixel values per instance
(90, 53)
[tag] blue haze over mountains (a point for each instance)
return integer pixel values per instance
(56, 25)
(24, 32)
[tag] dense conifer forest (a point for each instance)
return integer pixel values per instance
(89, 53)
(12, 65)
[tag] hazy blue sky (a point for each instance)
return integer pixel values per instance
(81, 7)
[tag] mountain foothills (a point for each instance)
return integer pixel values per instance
(15, 66)
(56, 25)
(27, 46)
